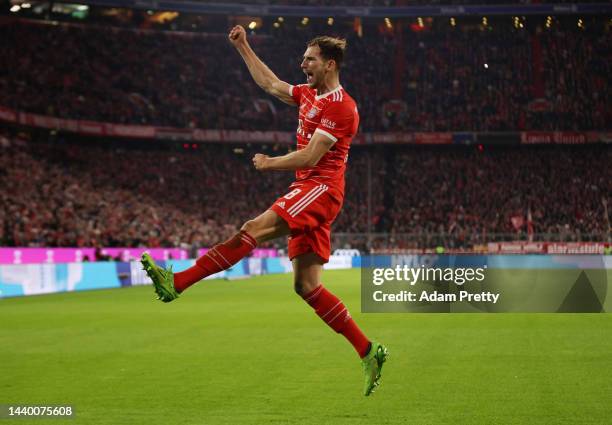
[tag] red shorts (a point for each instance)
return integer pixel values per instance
(309, 209)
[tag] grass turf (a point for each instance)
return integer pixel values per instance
(251, 352)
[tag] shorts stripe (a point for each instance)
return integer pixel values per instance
(307, 196)
(323, 190)
(310, 201)
(307, 200)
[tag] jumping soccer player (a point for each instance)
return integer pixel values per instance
(328, 121)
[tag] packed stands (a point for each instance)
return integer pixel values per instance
(445, 78)
(70, 194)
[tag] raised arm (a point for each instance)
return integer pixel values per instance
(263, 76)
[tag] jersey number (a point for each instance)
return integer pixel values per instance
(292, 193)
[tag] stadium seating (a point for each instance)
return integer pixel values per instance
(448, 78)
(67, 194)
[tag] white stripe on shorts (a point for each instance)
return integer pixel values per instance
(308, 199)
(304, 198)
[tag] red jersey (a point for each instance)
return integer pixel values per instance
(333, 114)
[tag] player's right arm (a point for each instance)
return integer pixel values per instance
(263, 76)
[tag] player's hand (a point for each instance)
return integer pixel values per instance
(259, 161)
(237, 35)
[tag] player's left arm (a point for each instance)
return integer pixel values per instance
(308, 157)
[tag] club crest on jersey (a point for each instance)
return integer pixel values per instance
(311, 114)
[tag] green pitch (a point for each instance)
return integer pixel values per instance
(252, 352)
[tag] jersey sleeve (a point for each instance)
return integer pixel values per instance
(338, 119)
(296, 93)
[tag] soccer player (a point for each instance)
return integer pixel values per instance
(328, 121)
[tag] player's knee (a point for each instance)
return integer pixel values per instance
(303, 287)
(249, 227)
(298, 288)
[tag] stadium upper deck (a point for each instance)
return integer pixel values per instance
(438, 77)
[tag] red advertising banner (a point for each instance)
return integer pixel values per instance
(136, 131)
(521, 247)
(242, 136)
(554, 137)
(92, 128)
(392, 137)
(176, 134)
(286, 137)
(577, 248)
(433, 138)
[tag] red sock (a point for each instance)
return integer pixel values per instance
(220, 257)
(333, 312)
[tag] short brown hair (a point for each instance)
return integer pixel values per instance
(332, 48)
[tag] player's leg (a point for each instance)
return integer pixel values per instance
(264, 227)
(307, 270)
(222, 256)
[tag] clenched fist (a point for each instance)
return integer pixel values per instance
(259, 161)
(237, 35)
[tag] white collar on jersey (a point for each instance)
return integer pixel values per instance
(337, 89)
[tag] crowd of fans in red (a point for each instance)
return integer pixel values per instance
(66, 194)
(446, 79)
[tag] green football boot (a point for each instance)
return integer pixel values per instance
(163, 280)
(372, 367)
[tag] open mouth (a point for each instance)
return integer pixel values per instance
(309, 77)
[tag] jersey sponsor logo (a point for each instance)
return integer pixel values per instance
(328, 123)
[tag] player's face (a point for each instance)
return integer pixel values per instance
(314, 66)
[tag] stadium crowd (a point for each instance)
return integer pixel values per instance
(473, 195)
(84, 196)
(462, 78)
(66, 194)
